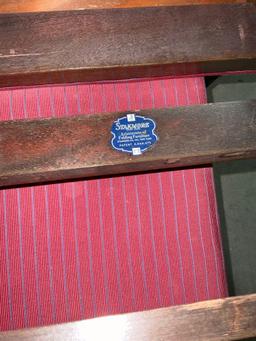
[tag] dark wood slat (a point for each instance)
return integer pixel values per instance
(223, 319)
(56, 149)
(92, 45)
(53, 5)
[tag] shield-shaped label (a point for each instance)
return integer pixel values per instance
(133, 134)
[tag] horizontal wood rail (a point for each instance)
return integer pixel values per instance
(74, 147)
(103, 44)
(222, 319)
(60, 5)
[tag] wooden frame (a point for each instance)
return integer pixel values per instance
(62, 5)
(36, 61)
(94, 45)
(223, 319)
(80, 146)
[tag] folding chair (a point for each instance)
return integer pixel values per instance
(137, 237)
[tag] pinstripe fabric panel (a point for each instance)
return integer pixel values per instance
(82, 249)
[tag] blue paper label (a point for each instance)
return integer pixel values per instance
(133, 134)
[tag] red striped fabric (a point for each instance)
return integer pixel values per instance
(77, 250)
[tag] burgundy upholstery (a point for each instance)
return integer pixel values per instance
(82, 249)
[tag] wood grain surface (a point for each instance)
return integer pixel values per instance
(93, 45)
(222, 319)
(60, 5)
(75, 147)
